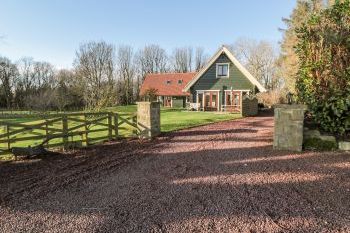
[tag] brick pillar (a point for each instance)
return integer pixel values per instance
(148, 119)
(288, 129)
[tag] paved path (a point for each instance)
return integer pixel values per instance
(223, 177)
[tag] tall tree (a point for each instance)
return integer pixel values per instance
(68, 91)
(43, 75)
(260, 58)
(288, 60)
(26, 73)
(200, 59)
(182, 59)
(323, 81)
(8, 76)
(126, 72)
(150, 59)
(94, 64)
(35, 80)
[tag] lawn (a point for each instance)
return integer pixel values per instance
(180, 119)
(176, 119)
(171, 119)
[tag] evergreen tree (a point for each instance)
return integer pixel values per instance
(289, 60)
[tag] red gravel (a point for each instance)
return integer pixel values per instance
(223, 177)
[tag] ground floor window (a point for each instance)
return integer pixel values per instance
(232, 101)
(208, 100)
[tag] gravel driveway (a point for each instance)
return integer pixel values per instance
(222, 177)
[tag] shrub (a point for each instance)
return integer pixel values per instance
(271, 98)
(319, 145)
(150, 94)
(323, 81)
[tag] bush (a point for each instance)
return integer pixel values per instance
(150, 94)
(319, 145)
(268, 99)
(323, 81)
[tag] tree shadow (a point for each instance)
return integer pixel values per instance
(168, 186)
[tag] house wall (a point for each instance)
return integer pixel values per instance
(179, 102)
(236, 80)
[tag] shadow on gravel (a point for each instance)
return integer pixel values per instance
(304, 192)
(154, 187)
(207, 132)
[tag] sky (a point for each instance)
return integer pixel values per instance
(52, 30)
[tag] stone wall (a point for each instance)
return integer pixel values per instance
(288, 129)
(148, 119)
(249, 106)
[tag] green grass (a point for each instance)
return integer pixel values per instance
(180, 119)
(171, 120)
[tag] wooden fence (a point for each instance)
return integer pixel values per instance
(63, 130)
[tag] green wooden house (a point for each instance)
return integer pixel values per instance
(221, 84)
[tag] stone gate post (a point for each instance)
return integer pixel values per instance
(148, 119)
(288, 128)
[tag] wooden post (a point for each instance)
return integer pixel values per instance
(218, 101)
(8, 137)
(47, 133)
(110, 126)
(134, 121)
(65, 132)
(204, 99)
(86, 131)
(116, 125)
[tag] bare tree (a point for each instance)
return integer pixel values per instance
(43, 75)
(34, 79)
(200, 59)
(126, 73)
(260, 58)
(150, 59)
(94, 65)
(8, 76)
(68, 90)
(182, 59)
(26, 73)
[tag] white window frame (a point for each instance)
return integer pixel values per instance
(228, 70)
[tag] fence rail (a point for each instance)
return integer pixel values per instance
(63, 130)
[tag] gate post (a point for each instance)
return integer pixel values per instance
(148, 119)
(288, 127)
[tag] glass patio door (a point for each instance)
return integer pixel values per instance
(211, 101)
(236, 101)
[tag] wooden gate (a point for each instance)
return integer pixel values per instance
(64, 130)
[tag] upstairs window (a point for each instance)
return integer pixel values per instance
(222, 70)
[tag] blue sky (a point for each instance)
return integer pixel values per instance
(52, 30)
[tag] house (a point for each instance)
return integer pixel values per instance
(169, 88)
(221, 84)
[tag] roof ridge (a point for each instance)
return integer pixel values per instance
(172, 73)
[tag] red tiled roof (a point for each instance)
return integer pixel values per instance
(160, 82)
